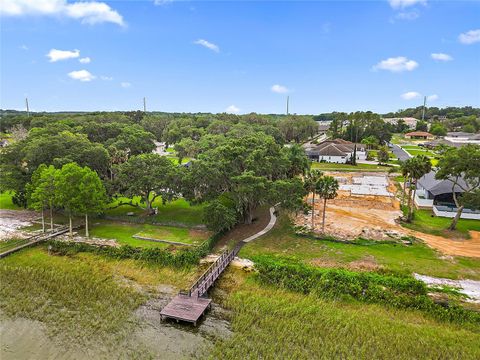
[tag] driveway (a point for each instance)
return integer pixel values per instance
(401, 154)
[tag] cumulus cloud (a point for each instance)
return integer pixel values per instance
(208, 45)
(106, 78)
(432, 97)
(407, 15)
(81, 75)
(279, 89)
(441, 57)
(125, 84)
(57, 55)
(91, 12)
(232, 109)
(411, 95)
(470, 37)
(85, 60)
(162, 2)
(396, 64)
(402, 4)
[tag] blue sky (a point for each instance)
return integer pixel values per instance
(213, 56)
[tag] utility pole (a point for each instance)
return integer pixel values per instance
(144, 104)
(424, 103)
(28, 109)
(288, 98)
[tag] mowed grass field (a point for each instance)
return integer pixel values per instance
(178, 211)
(270, 323)
(419, 258)
(6, 202)
(424, 221)
(123, 234)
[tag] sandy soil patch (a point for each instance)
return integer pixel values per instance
(13, 220)
(470, 288)
(375, 217)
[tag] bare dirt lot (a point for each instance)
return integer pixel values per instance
(350, 216)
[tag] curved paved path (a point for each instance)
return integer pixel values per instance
(270, 225)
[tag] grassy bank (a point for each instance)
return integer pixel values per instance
(424, 221)
(270, 323)
(282, 241)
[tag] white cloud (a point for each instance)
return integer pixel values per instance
(58, 55)
(441, 57)
(401, 4)
(106, 78)
(411, 95)
(81, 75)
(85, 60)
(470, 37)
(125, 84)
(279, 89)
(91, 12)
(407, 15)
(232, 109)
(162, 2)
(208, 45)
(24, 47)
(396, 64)
(432, 97)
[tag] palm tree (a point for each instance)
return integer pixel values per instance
(326, 188)
(405, 169)
(420, 165)
(310, 184)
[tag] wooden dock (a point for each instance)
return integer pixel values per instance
(35, 240)
(191, 304)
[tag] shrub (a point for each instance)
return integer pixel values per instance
(392, 289)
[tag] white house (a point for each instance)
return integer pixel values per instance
(437, 195)
(335, 151)
(462, 138)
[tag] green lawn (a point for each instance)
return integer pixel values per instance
(6, 202)
(347, 167)
(424, 221)
(123, 232)
(418, 258)
(178, 211)
(269, 323)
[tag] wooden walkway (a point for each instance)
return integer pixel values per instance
(190, 305)
(35, 240)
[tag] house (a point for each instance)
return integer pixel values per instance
(411, 122)
(462, 138)
(323, 127)
(438, 195)
(335, 151)
(419, 135)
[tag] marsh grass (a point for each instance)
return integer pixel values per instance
(85, 301)
(269, 323)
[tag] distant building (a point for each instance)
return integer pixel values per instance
(323, 127)
(335, 151)
(409, 121)
(438, 195)
(460, 138)
(419, 135)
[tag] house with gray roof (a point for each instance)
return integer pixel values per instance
(438, 195)
(335, 151)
